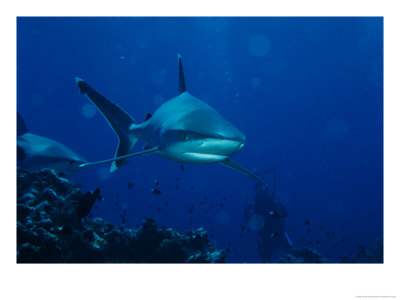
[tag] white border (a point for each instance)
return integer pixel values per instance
(201, 281)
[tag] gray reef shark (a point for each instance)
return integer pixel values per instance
(184, 129)
(35, 152)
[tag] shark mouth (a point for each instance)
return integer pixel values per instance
(204, 157)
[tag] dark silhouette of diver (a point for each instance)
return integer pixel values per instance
(266, 214)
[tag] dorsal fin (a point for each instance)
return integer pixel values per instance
(182, 84)
(21, 127)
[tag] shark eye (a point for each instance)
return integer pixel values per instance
(185, 136)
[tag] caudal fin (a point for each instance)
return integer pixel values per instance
(119, 120)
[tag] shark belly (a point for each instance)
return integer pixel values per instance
(193, 158)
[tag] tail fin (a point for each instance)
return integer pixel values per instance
(119, 120)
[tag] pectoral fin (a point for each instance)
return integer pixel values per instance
(148, 151)
(235, 166)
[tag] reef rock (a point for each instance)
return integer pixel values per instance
(373, 255)
(304, 255)
(52, 228)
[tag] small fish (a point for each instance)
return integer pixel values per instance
(157, 182)
(274, 214)
(192, 187)
(274, 235)
(307, 222)
(221, 204)
(130, 185)
(322, 227)
(156, 192)
(308, 229)
(202, 203)
(166, 203)
(177, 179)
(318, 242)
(343, 239)
(123, 220)
(191, 209)
(182, 168)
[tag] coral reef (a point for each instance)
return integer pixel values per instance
(304, 255)
(52, 228)
(371, 255)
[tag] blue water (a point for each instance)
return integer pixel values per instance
(307, 92)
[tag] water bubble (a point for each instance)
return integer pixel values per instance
(256, 222)
(223, 218)
(103, 173)
(255, 82)
(37, 100)
(259, 45)
(336, 129)
(158, 99)
(88, 111)
(158, 77)
(144, 39)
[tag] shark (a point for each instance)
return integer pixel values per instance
(183, 129)
(35, 152)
